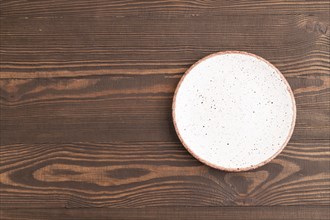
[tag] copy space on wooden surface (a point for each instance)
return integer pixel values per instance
(86, 95)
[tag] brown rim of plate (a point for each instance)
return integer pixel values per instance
(244, 168)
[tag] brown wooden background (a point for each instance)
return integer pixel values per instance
(86, 92)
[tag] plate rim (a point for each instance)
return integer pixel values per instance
(294, 110)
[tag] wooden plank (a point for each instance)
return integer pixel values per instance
(156, 174)
(237, 213)
(73, 46)
(125, 108)
(166, 8)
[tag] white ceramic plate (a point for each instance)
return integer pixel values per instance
(234, 111)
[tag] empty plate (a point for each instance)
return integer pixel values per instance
(234, 111)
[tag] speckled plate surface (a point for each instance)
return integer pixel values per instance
(234, 111)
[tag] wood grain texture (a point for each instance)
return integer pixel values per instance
(167, 7)
(156, 174)
(184, 213)
(86, 89)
